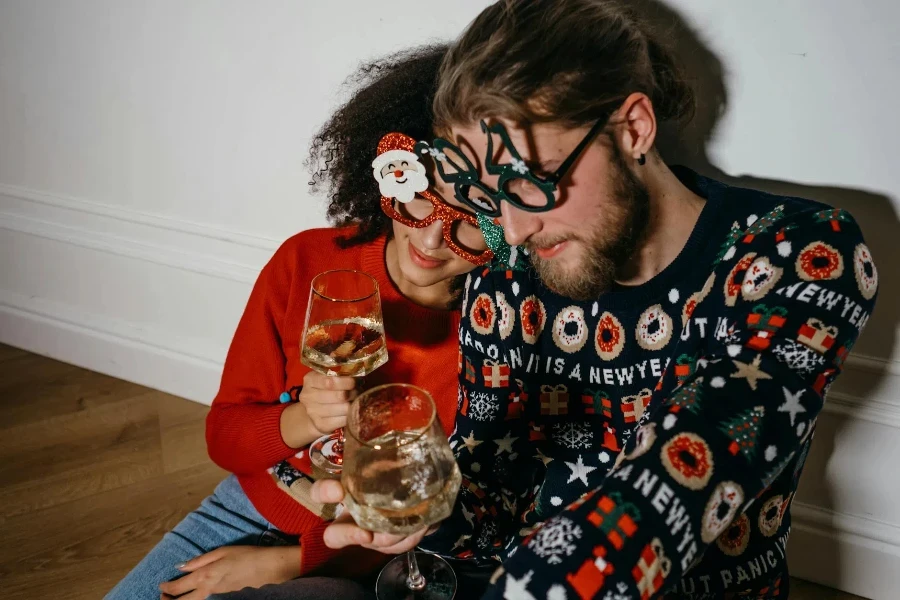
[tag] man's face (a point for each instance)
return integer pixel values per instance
(601, 209)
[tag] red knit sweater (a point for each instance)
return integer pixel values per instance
(243, 427)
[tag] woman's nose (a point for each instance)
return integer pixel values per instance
(433, 235)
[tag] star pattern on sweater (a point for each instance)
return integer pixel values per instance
(517, 589)
(468, 516)
(460, 543)
(750, 371)
(543, 457)
(579, 470)
(470, 442)
(792, 404)
(505, 443)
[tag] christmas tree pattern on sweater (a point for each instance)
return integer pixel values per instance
(648, 444)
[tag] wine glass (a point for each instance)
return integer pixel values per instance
(400, 476)
(343, 335)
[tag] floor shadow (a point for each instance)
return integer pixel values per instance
(876, 214)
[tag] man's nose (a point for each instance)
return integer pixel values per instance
(518, 225)
(398, 173)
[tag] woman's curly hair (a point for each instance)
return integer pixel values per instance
(393, 93)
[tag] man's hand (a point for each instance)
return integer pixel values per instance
(344, 532)
(322, 408)
(232, 568)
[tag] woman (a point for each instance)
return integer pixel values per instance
(259, 526)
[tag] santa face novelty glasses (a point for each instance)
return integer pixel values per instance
(460, 229)
(516, 183)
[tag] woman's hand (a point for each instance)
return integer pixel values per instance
(345, 532)
(323, 408)
(232, 568)
(327, 400)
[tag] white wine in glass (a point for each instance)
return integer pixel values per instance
(343, 335)
(405, 483)
(400, 476)
(350, 347)
(344, 330)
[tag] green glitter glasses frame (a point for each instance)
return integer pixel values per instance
(516, 183)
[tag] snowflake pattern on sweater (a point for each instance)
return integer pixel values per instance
(652, 440)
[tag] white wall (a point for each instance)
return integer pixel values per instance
(151, 159)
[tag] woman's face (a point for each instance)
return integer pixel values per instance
(424, 257)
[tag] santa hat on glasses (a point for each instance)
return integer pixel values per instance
(403, 181)
(395, 147)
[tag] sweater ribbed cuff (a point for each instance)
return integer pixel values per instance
(246, 438)
(268, 434)
(313, 551)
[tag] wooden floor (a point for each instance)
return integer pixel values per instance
(93, 470)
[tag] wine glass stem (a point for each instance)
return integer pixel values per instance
(339, 444)
(415, 580)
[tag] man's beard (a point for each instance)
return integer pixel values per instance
(610, 246)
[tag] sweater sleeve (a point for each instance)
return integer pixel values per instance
(794, 304)
(352, 562)
(243, 427)
(493, 445)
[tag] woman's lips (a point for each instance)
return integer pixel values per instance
(426, 262)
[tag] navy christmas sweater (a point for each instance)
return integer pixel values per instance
(648, 444)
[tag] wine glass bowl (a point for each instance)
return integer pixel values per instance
(399, 472)
(344, 332)
(399, 477)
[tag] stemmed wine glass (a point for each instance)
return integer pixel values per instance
(400, 476)
(343, 335)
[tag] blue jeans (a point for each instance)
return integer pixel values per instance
(305, 588)
(226, 518)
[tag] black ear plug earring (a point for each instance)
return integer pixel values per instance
(642, 159)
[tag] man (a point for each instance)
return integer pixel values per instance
(633, 420)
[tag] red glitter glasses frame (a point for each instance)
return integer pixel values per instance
(448, 217)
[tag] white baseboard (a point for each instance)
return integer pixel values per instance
(134, 234)
(144, 353)
(116, 349)
(846, 552)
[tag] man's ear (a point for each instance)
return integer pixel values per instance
(635, 129)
